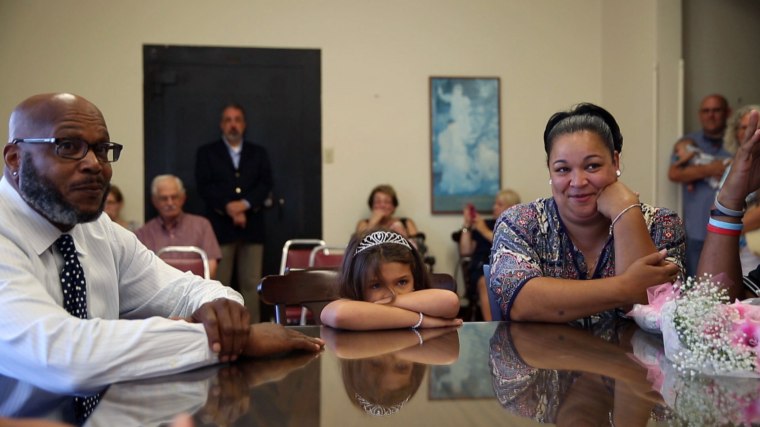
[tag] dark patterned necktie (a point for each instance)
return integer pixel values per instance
(75, 302)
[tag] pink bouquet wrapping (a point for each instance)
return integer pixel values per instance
(701, 331)
(648, 316)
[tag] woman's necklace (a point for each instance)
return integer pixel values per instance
(591, 261)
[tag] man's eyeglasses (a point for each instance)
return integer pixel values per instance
(76, 149)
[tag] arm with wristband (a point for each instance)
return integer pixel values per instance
(720, 253)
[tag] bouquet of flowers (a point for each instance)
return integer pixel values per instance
(696, 399)
(701, 331)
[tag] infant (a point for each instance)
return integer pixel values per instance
(686, 152)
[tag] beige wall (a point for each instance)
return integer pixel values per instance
(376, 60)
(720, 51)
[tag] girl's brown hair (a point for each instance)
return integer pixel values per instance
(359, 268)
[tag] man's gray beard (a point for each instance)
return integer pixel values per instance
(41, 194)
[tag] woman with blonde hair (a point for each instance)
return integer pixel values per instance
(475, 242)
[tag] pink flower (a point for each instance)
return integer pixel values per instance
(751, 412)
(747, 310)
(746, 332)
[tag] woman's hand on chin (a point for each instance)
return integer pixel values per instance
(614, 198)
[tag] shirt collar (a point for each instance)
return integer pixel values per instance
(235, 150)
(35, 228)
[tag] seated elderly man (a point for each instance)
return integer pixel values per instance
(173, 227)
(84, 303)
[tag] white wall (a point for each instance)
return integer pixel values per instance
(721, 40)
(376, 61)
(640, 60)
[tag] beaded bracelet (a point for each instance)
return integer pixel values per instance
(419, 322)
(728, 212)
(612, 224)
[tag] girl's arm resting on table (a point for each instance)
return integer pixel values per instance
(363, 316)
(431, 302)
(548, 299)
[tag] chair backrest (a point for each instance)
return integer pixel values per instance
(327, 256)
(197, 265)
(496, 313)
(444, 281)
(312, 288)
(296, 252)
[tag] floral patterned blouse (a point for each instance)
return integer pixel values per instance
(530, 241)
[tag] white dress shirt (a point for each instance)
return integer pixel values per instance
(130, 294)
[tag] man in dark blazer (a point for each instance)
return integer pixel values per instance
(234, 178)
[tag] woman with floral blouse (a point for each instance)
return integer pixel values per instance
(592, 248)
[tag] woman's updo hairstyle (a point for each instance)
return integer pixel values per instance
(588, 117)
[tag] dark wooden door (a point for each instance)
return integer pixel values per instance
(185, 89)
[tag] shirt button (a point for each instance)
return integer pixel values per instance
(237, 190)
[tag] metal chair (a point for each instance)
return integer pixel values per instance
(295, 255)
(296, 252)
(327, 256)
(196, 265)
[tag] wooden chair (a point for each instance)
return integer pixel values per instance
(314, 288)
(311, 288)
(444, 281)
(197, 265)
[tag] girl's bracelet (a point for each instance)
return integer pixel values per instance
(419, 335)
(419, 322)
(612, 224)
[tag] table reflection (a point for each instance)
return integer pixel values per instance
(382, 370)
(571, 376)
(482, 374)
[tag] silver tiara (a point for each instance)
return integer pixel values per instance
(377, 410)
(381, 237)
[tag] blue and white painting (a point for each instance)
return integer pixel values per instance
(466, 142)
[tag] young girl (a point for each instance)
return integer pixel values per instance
(384, 285)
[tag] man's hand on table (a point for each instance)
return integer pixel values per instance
(268, 339)
(228, 327)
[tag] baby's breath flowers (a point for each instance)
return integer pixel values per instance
(714, 337)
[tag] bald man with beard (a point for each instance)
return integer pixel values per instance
(56, 179)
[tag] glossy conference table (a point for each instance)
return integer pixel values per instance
(482, 374)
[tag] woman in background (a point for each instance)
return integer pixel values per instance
(475, 242)
(382, 204)
(736, 129)
(114, 204)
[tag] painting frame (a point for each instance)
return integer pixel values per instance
(465, 143)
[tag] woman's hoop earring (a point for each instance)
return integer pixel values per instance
(617, 172)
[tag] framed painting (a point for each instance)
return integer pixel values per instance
(465, 146)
